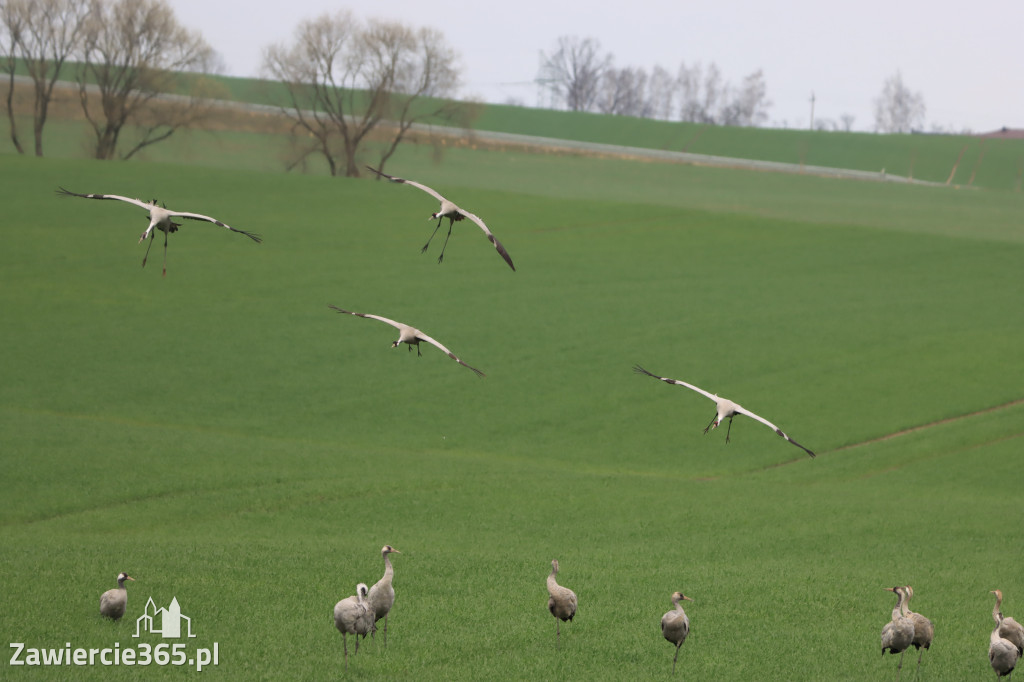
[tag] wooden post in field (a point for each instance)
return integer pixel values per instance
(913, 158)
(953, 172)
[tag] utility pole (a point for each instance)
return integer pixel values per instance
(812, 110)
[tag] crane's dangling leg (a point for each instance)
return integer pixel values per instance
(706, 428)
(728, 430)
(385, 629)
(344, 640)
(432, 234)
(148, 247)
(676, 658)
(451, 221)
(165, 251)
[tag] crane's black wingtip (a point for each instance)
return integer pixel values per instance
(383, 175)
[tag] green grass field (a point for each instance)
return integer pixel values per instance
(228, 440)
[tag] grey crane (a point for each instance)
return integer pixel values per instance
(1009, 629)
(924, 630)
(353, 615)
(453, 213)
(898, 634)
(726, 409)
(382, 594)
(675, 625)
(114, 601)
(561, 601)
(1002, 653)
(160, 218)
(409, 335)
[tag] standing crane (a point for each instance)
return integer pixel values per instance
(160, 218)
(924, 631)
(354, 616)
(561, 602)
(898, 634)
(382, 594)
(725, 409)
(675, 625)
(114, 601)
(453, 213)
(1009, 629)
(1002, 653)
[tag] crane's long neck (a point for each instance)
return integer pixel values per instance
(679, 606)
(997, 611)
(897, 611)
(552, 581)
(120, 583)
(389, 571)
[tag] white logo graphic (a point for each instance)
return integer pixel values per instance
(169, 625)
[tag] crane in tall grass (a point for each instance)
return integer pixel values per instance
(675, 625)
(898, 633)
(924, 630)
(382, 595)
(561, 601)
(113, 602)
(1009, 629)
(353, 616)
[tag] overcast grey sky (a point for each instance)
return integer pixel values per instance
(965, 58)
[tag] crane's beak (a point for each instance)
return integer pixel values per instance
(687, 598)
(130, 578)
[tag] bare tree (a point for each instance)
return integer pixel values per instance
(44, 34)
(344, 80)
(701, 93)
(573, 72)
(425, 79)
(846, 122)
(661, 94)
(897, 109)
(748, 106)
(623, 92)
(13, 23)
(135, 55)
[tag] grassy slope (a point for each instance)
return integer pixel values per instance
(993, 163)
(984, 163)
(228, 440)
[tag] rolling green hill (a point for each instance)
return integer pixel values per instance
(229, 441)
(963, 160)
